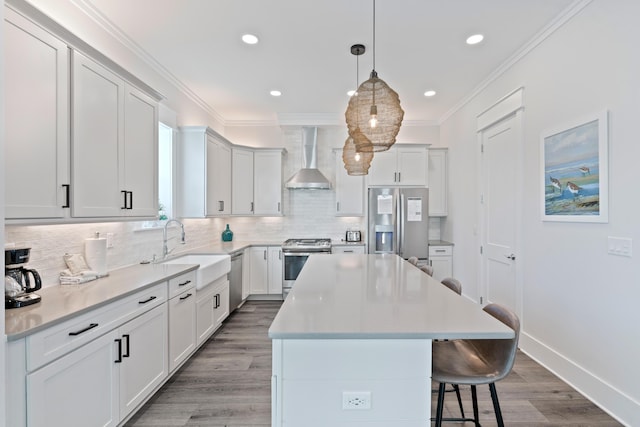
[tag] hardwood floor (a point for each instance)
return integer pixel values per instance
(227, 383)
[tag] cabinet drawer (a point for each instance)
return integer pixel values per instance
(440, 251)
(181, 283)
(347, 249)
(51, 343)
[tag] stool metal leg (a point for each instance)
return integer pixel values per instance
(440, 406)
(456, 388)
(474, 398)
(496, 404)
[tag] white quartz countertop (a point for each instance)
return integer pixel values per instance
(354, 296)
(62, 302)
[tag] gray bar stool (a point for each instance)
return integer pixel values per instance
(453, 284)
(475, 362)
(413, 260)
(427, 269)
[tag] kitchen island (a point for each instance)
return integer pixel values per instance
(352, 342)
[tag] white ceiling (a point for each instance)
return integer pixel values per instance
(304, 49)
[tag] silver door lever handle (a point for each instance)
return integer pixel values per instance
(512, 257)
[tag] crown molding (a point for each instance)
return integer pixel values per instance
(100, 19)
(565, 16)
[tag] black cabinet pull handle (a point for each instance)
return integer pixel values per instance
(66, 192)
(184, 283)
(185, 297)
(81, 331)
(130, 200)
(119, 359)
(151, 298)
(216, 299)
(126, 348)
(124, 194)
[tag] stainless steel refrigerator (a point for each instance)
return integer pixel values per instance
(399, 221)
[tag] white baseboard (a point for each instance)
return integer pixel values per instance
(611, 400)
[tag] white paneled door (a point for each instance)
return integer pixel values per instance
(500, 195)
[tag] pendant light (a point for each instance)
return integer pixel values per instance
(376, 111)
(356, 163)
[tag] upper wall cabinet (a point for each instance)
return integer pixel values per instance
(204, 173)
(114, 145)
(267, 181)
(36, 87)
(403, 164)
(438, 170)
(105, 165)
(349, 190)
(242, 181)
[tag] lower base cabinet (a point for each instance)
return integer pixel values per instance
(441, 259)
(212, 308)
(103, 381)
(182, 327)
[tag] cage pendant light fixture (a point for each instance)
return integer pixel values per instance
(376, 111)
(356, 163)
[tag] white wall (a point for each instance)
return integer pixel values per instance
(580, 315)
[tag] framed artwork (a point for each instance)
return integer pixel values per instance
(575, 171)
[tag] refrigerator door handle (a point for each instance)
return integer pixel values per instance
(400, 221)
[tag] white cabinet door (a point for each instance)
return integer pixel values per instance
(221, 303)
(205, 321)
(401, 165)
(438, 170)
(140, 153)
(97, 138)
(258, 263)
(242, 182)
(36, 90)
(349, 190)
(77, 390)
(182, 327)
(412, 165)
(267, 180)
(275, 269)
(218, 171)
(383, 170)
(144, 357)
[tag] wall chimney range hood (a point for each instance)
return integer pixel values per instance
(309, 177)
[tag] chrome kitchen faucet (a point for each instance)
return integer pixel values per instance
(165, 247)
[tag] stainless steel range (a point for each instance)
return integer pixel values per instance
(296, 252)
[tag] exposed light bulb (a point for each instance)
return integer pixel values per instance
(373, 122)
(357, 157)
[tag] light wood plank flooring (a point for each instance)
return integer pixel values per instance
(227, 383)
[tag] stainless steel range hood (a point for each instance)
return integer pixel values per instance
(309, 177)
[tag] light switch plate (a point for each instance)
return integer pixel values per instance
(621, 246)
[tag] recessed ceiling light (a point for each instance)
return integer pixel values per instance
(475, 39)
(430, 93)
(275, 93)
(249, 39)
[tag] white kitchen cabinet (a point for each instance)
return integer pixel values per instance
(204, 173)
(267, 181)
(114, 144)
(140, 153)
(182, 324)
(402, 165)
(441, 259)
(77, 390)
(242, 202)
(438, 181)
(347, 249)
(349, 190)
(36, 94)
(212, 307)
(144, 362)
(265, 263)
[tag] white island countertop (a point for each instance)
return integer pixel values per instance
(352, 296)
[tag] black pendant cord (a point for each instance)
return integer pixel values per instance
(374, 38)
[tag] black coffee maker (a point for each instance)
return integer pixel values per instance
(19, 282)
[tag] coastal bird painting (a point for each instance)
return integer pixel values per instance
(585, 170)
(574, 189)
(556, 184)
